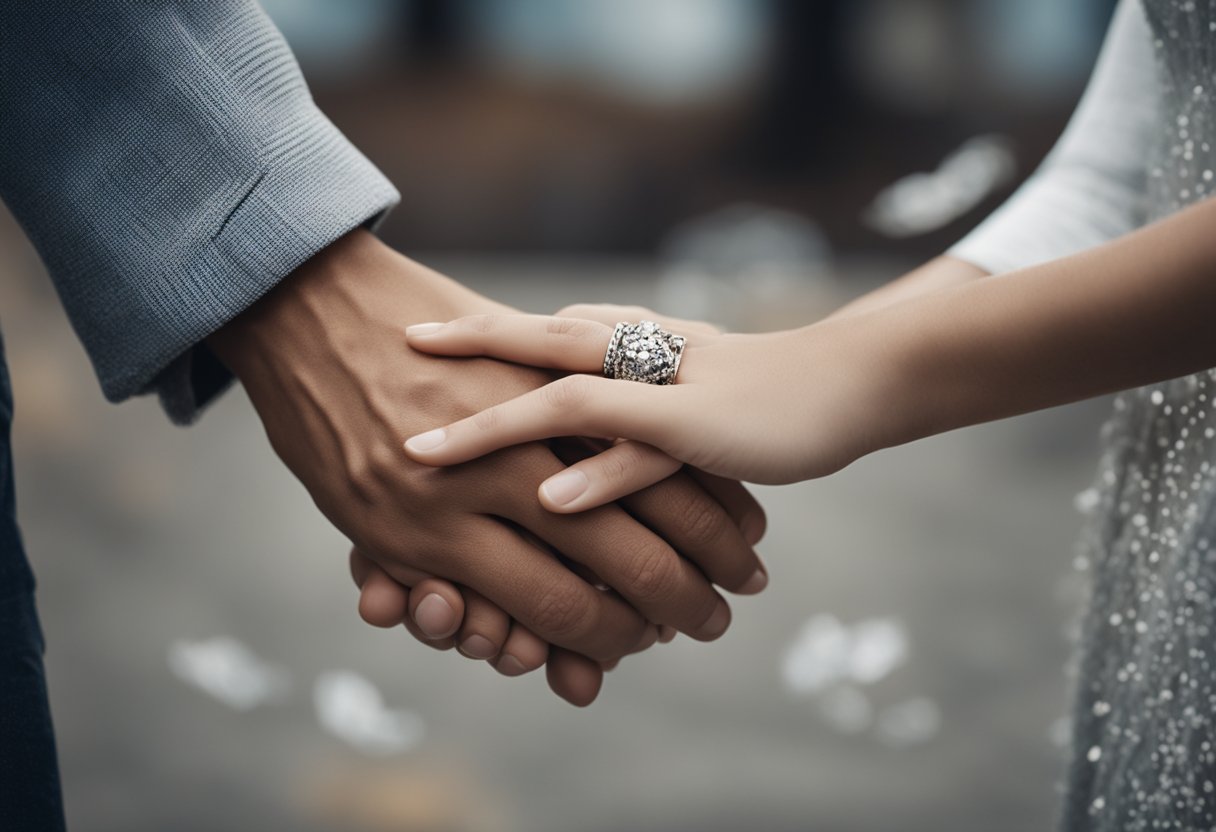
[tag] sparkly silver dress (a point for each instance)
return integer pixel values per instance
(1139, 148)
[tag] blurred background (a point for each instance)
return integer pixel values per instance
(753, 162)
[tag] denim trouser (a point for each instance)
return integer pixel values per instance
(30, 798)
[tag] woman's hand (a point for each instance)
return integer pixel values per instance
(771, 408)
(321, 358)
(445, 617)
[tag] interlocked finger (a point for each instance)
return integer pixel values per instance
(578, 405)
(485, 628)
(551, 601)
(608, 476)
(537, 340)
(639, 565)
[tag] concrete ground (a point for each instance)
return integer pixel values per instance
(143, 534)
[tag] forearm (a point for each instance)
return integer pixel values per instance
(940, 273)
(1132, 312)
(170, 167)
(1088, 191)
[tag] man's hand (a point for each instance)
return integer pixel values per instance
(323, 360)
(386, 603)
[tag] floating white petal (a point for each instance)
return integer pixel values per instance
(351, 708)
(229, 671)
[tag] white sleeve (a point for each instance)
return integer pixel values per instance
(1092, 186)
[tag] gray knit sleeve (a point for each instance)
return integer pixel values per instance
(169, 165)
(1092, 187)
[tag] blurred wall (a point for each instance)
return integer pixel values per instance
(597, 125)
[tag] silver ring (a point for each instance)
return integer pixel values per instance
(643, 352)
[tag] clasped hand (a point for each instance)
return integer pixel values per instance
(323, 361)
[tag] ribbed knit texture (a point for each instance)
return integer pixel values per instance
(170, 167)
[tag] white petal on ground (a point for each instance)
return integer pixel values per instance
(1086, 501)
(818, 657)
(910, 723)
(351, 708)
(878, 647)
(826, 652)
(229, 671)
(1059, 733)
(846, 709)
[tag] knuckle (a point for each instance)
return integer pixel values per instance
(653, 575)
(565, 394)
(558, 613)
(478, 324)
(567, 328)
(614, 467)
(702, 523)
(618, 463)
(487, 420)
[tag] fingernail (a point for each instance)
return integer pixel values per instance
(755, 583)
(511, 666)
(561, 489)
(752, 528)
(427, 441)
(718, 622)
(422, 329)
(478, 647)
(435, 617)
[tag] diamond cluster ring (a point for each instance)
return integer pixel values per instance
(643, 352)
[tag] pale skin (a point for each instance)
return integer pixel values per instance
(936, 351)
(323, 362)
(386, 603)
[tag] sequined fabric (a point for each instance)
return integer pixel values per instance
(1145, 715)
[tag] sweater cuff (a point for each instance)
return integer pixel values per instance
(289, 212)
(1057, 213)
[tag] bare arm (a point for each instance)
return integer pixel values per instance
(1088, 191)
(1135, 311)
(940, 273)
(785, 406)
(323, 360)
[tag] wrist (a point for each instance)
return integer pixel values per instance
(863, 382)
(940, 273)
(355, 287)
(921, 368)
